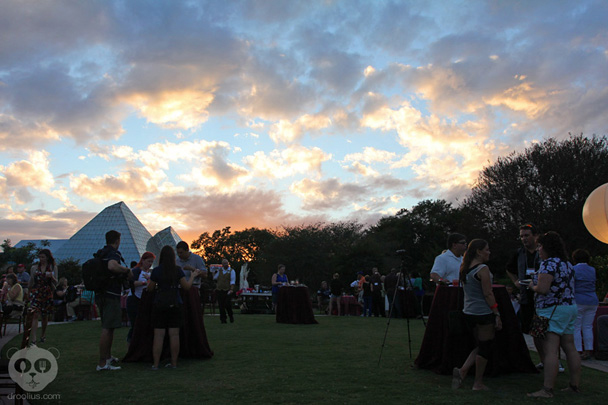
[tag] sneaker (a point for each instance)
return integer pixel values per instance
(540, 366)
(456, 378)
(169, 365)
(561, 368)
(72, 319)
(108, 366)
(111, 360)
(154, 368)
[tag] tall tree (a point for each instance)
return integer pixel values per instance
(313, 252)
(240, 247)
(25, 254)
(546, 184)
(421, 232)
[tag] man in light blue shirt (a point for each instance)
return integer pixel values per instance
(446, 268)
(189, 261)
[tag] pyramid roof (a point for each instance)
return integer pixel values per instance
(91, 237)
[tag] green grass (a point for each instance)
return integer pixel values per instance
(258, 361)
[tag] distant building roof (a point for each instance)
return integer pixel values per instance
(53, 244)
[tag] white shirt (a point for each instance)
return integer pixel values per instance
(447, 266)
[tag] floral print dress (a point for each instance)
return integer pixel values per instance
(41, 292)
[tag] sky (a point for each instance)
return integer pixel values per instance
(206, 114)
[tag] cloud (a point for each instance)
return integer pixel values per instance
(287, 162)
(370, 155)
(240, 209)
(53, 103)
(42, 224)
(287, 132)
(20, 176)
(443, 153)
(324, 194)
(185, 109)
(131, 184)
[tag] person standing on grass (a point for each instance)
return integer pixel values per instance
(189, 261)
(447, 265)
(367, 296)
(140, 274)
(323, 295)
(335, 287)
(226, 280)
(279, 279)
(41, 286)
(554, 299)
(522, 265)
(167, 310)
(480, 312)
(108, 301)
(586, 302)
(377, 298)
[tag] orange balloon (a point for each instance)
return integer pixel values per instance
(595, 213)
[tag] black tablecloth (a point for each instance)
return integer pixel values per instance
(601, 310)
(441, 352)
(192, 336)
(294, 306)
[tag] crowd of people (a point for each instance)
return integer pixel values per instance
(549, 287)
(375, 293)
(546, 284)
(40, 292)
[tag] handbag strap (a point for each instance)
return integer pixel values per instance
(552, 312)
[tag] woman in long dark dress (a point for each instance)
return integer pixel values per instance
(167, 312)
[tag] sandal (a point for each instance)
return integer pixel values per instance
(571, 388)
(543, 393)
(456, 379)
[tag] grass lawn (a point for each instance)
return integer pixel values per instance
(258, 361)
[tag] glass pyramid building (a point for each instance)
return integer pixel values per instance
(134, 241)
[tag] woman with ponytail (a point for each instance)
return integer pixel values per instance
(480, 311)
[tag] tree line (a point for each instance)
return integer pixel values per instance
(546, 184)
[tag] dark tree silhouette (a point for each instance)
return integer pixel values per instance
(546, 184)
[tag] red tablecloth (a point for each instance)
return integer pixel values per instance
(601, 310)
(294, 306)
(192, 336)
(441, 352)
(348, 306)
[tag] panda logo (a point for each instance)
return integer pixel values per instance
(33, 368)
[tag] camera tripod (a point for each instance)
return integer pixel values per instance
(400, 276)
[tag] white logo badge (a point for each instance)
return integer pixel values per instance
(33, 368)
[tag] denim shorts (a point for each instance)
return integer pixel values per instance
(562, 321)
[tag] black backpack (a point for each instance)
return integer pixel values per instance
(95, 274)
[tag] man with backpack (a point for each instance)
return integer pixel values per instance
(108, 301)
